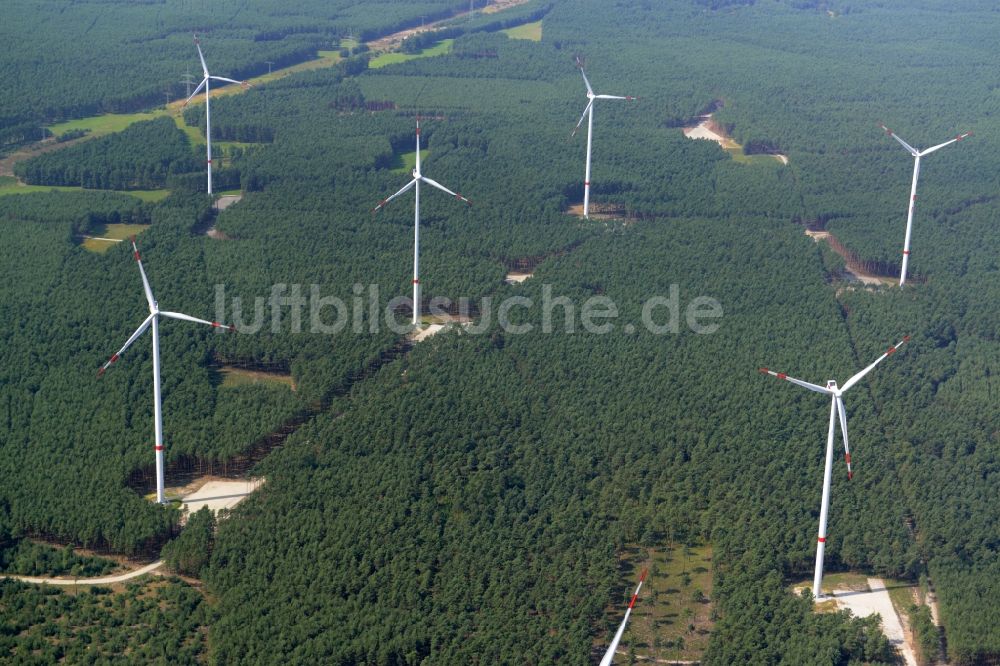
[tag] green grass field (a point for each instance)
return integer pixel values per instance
(115, 233)
(672, 619)
(104, 124)
(240, 377)
(386, 59)
(9, 185)
(530, 31)
(405, 162)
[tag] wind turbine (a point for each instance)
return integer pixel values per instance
(609, 656)
(415, 183)
(588, 113)
(153, 321)
(917, 154)
(836, 409)
(208, 114)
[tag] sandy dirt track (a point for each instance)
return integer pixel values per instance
(103, 580)
(876, 600)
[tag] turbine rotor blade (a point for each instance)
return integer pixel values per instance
(196, 91)
(245, 84)
(585, 112)
(128, 343)
(405, 189)
(184, 317)
(204, 67)
(145, 282)
(843, 431)
(418, 145)
(889, 352)
(806, 385)
(913, 151)
(585, 81)
(434, 183)
(946, 143)
(609, 656)
(629, 98)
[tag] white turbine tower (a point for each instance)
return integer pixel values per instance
(588, 113)
(153, 321)
(609, 656)
(208, 114)
(917, 154)
(836, 408)
(415, 183)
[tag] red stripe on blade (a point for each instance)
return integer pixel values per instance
(822, 539)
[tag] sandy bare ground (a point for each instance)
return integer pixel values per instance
(103, 580)
(220, 494)
(221, 204)
(707, 129)
(227, 200)
(517, 277)
(876, 600)
(438, 324)
(425, 332)
(577, 210)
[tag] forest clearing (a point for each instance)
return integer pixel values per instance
(106, 236)
(236, 376)
(708, 129)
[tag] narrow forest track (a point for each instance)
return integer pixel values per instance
(33, 150)
(395, 40)
(100, 580)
